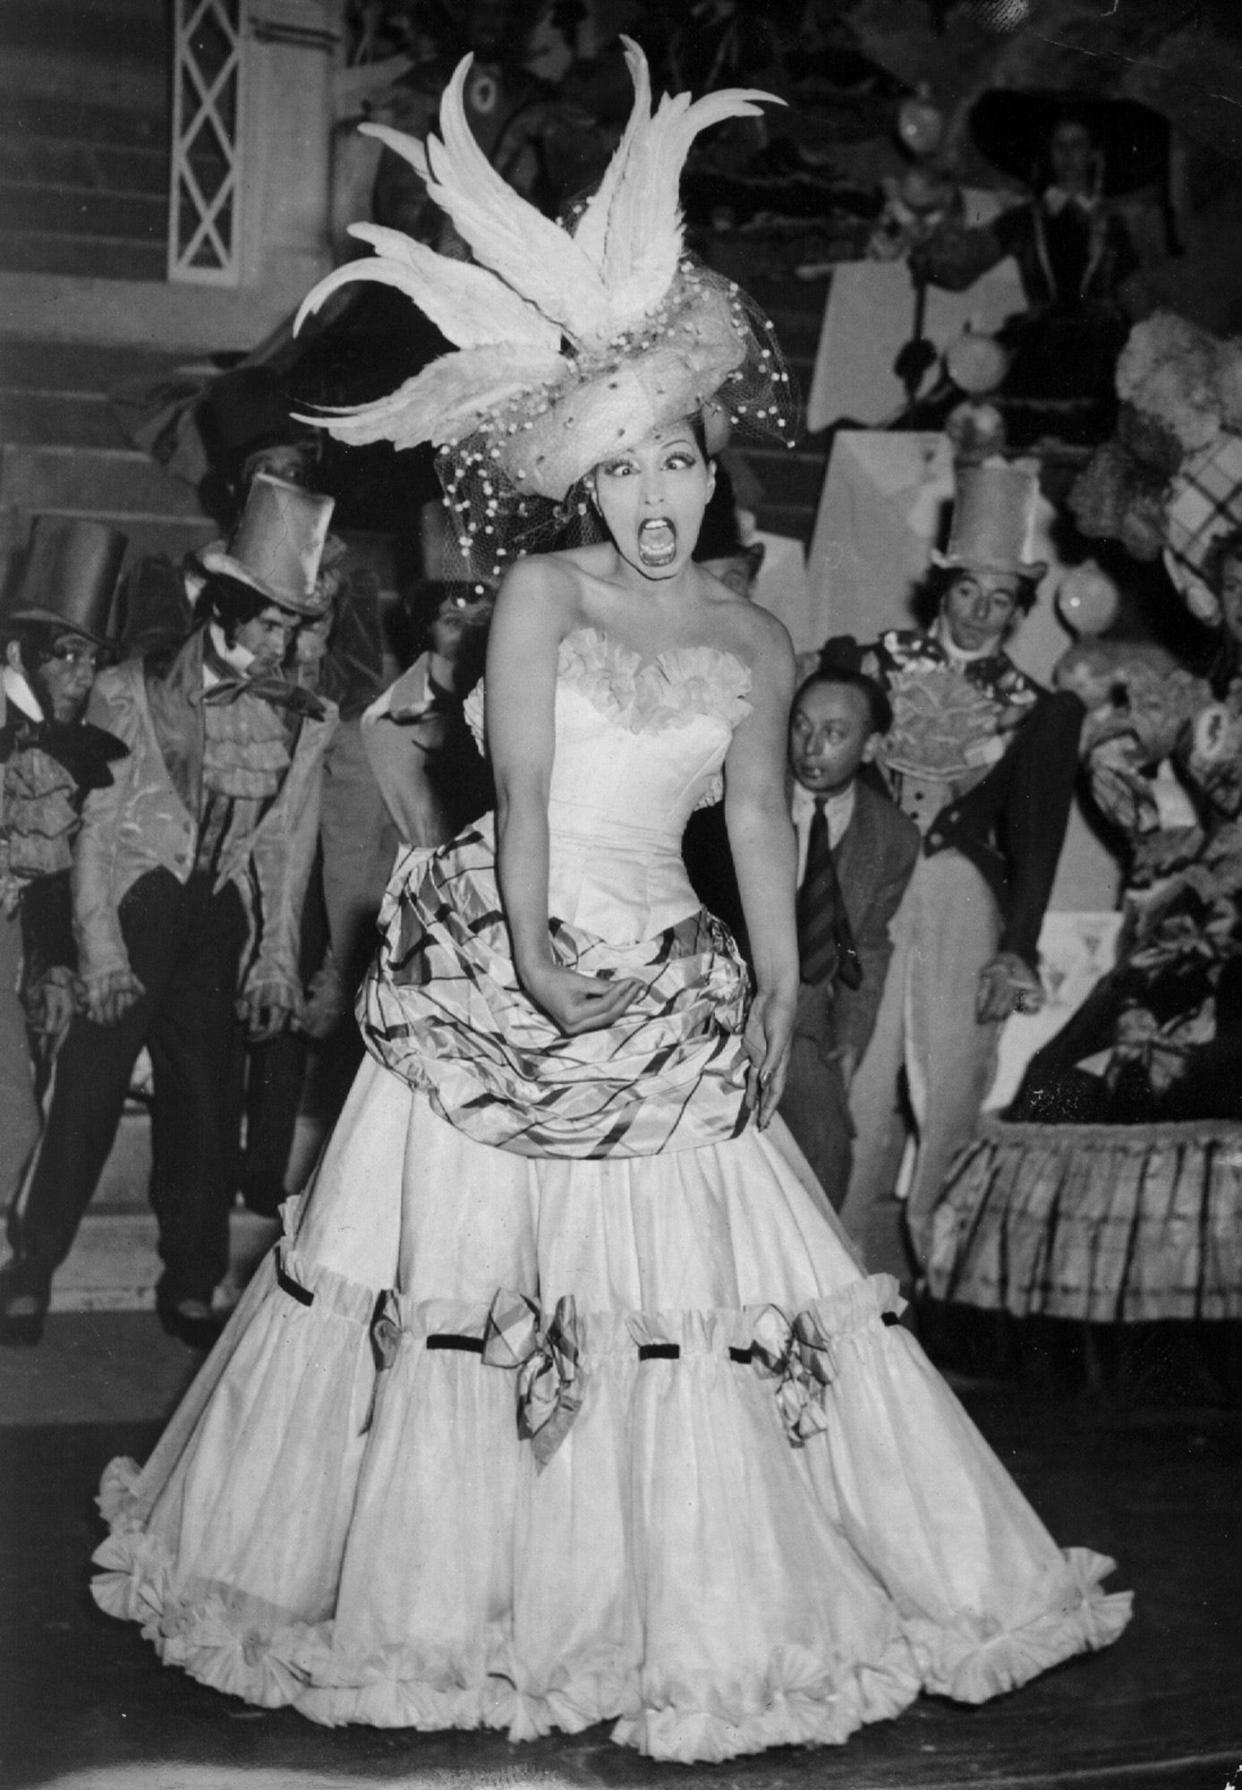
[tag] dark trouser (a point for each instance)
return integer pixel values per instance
(185, 946)
(816, 1109)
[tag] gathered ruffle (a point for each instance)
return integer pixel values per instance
(695, 1390)
(642, 695)
(443, 1009)
(1099, 1223)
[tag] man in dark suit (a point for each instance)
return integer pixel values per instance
(856, 853)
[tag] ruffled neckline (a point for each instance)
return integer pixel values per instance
(644, 695)
(674, 686)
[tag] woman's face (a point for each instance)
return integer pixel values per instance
(1231, 598)
(652, 498)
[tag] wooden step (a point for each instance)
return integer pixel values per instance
(82, 257)
(100, 28)
(90, 481)
(84, 210)
(83, 119)
(53, 419)
(114, 1263)
(59, 161)
(67, 368)
(124, 78)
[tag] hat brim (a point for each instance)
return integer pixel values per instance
(1012, 130)
(214, 558)
(1014, 568)
(32, 613)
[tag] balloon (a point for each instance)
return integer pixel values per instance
(920, 125)
(1088, 600)
(975, 363)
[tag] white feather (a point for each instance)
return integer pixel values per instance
(529, 252)
(644, 235)
(592, 229)
(410, 149)
(446, 400)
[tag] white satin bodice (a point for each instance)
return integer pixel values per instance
(639, 745)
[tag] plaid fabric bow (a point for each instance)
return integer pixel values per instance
(547, 1358)
(385, 1341)
(802, 1361)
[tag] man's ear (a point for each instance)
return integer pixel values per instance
(871, 745)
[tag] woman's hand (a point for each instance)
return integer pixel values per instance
(769, 1032)
(576, 1003)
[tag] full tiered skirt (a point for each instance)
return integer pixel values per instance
(529, 1443)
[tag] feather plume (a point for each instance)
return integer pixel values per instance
(506, 233)
(467, 303)
(410, 149)
(644, 232)
(591, 233)
(446, 400)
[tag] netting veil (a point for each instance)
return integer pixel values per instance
(575, 339)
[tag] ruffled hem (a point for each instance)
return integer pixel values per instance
(705, 1393)
(803, 1699)
(1099, 1223)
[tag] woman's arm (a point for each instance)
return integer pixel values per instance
(534, 610)
(761, 838)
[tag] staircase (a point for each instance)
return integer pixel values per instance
(62, 451)
(790, 479)
(84, 133)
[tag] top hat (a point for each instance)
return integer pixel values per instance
(277, 545)
(993, 519)
(69, 577)
(1013, 129)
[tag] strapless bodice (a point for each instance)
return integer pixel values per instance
(639, 745)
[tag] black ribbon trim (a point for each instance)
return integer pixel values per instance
(467, 1345)
(287, 1284)
(672, 1352)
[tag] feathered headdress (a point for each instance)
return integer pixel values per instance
(573, 341)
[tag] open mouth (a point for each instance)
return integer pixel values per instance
(657, 542)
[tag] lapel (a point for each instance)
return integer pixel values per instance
(855, 853)
(175, 702)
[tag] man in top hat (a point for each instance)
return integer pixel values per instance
(983, 761)
(188, 882)
(54, 637)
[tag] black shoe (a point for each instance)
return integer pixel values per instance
(264, 1193)
(197, 1330)
(21, 1329)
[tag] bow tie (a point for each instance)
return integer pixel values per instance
(1056, 198)
(268, 687)
(81, 748)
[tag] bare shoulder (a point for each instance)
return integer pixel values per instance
(760, 640)
(541, 594)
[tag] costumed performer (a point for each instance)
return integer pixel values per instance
(560, 1402)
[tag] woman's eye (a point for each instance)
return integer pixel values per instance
(679, 461)
(619, 469)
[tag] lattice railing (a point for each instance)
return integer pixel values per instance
(204, 228)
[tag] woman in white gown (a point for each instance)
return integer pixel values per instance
(561, 1401)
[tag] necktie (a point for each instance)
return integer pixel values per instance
(825, 941)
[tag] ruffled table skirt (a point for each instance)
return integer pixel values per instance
(1100, 1223)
